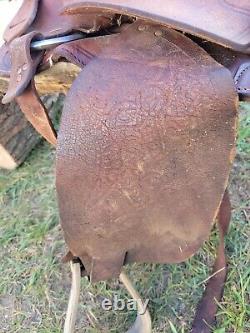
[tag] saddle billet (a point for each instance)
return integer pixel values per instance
(147, 135)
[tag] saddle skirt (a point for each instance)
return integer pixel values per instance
(146, 141)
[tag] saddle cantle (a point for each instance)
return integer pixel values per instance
(147, 135)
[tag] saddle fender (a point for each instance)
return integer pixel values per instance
(144, 151)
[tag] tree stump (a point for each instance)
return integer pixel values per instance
(17, 136)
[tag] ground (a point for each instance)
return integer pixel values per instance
(34, 285)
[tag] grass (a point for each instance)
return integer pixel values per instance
(34, 285)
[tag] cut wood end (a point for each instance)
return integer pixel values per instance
(6, 160)
(57, 79)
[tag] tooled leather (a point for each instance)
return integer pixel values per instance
(23, 65)
(139, 133)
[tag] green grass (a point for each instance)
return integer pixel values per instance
(34, 285)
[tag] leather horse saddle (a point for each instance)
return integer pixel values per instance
(147, 134)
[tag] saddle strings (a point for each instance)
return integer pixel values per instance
(143, 320)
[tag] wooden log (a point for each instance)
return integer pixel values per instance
(17, 136)
(57, 79)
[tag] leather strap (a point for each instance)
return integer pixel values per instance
(36, 113)
(242, 81)
(24, 65)
(5, 63)
(237, 63)
(206, 310)
(22, 87)
(22, 20)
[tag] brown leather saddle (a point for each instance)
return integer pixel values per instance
(147, 135)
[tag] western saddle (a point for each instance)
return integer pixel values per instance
(148, 128)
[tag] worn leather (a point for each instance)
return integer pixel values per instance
(80, 53)
(225, 22)
(5, 61)
(22, 20)
(36, 113)
(143, 149)
(238, 64)
(241, 70)
(206, 310)
(45, 18)
(24, 64)
(177, 14)
(49, 20)
(148, 129)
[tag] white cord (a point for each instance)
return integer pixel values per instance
(143, 322)
(70, 320)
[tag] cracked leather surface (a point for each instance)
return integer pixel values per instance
(144, 151)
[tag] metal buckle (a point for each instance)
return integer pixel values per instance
(47, 43)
